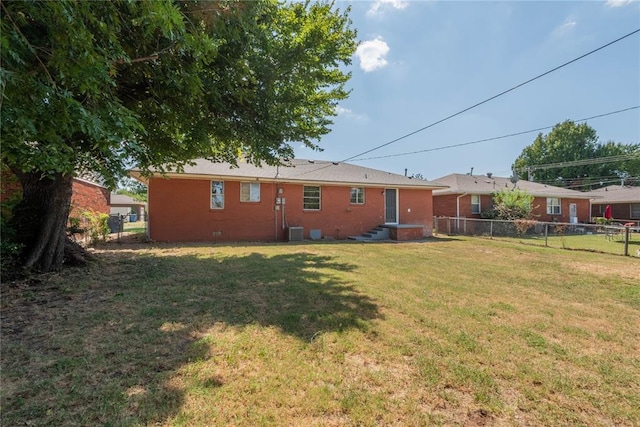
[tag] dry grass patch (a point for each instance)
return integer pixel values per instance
(445, 332)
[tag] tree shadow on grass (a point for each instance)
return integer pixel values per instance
(100, 345)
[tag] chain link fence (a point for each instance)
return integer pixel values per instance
(616, 239)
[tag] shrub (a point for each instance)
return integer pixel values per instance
(98, 228)
(512, 204)
(522, 225)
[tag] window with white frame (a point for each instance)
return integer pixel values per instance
(357, 195)
(217, 194)
(311, 197)
(553, 206)
(475, 203)
(249, 191)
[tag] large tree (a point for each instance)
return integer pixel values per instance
(569, 142)
(100, 86)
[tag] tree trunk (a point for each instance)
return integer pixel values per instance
(40, 219)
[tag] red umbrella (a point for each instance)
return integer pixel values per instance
(607, 212)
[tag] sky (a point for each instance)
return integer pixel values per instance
(421, 61)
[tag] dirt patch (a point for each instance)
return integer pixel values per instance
(479, 417)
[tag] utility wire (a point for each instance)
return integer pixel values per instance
(480, 103)
(583, 162)
(491, 139)
(493, 97)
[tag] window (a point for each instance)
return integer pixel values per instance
(475, 204)
(553, 206)
(357, 195)
(249, 191)
(635, 210)
(217, 194)
(311, 197)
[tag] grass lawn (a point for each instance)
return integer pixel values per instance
(135, 227)
(613, 244)
(451, 331)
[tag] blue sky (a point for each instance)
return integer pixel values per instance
(421, 61)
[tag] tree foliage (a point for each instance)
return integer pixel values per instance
(569, 142)
(511, 204)
(98, 85)
(102, 86)
(132, 188)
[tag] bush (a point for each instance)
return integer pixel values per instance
(512, 204)
(98, 228)
(522, 225)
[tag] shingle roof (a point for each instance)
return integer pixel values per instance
(481, 184)
(303, 171)
(123, 199)
(615, 194)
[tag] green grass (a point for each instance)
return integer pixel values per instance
(586, 242)
(445, 332)
(135, 227)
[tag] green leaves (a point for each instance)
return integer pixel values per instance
(569, 142)
(101, 86)
(511, 204)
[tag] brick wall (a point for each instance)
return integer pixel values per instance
(179, 210)
(618, 210)
(446, 205)
(88, 196)
(9, 185)
(85, 196)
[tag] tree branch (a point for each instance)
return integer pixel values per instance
(31, 47)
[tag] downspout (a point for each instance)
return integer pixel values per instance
(458, 209)
(146, 214)
(458, 204)
(275, 206)
(275, 212)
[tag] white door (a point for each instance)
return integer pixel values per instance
(573, 213)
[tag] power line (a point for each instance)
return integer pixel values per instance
(493, 97)
(493, 138)
(583, 162)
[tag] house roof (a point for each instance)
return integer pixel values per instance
(482, 184)
(300, 171)
(122, 199)
(615, 194)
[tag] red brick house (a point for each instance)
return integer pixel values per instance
(624, 202)
(305, 199)
(87, 195)
(470, 195)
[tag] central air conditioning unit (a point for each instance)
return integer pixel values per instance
(295, 234)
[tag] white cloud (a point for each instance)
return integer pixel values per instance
(618, 3)
(380, 5)
(568, 25)
(371, 54)
(350, 115)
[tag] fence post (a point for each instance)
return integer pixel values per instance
(491, 229)
(626, 241)
(546, 232)
(449, 226)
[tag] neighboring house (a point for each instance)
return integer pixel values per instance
(471, 195)
(306, 199)
(87, 195)
(122, 204)
(624, 202)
